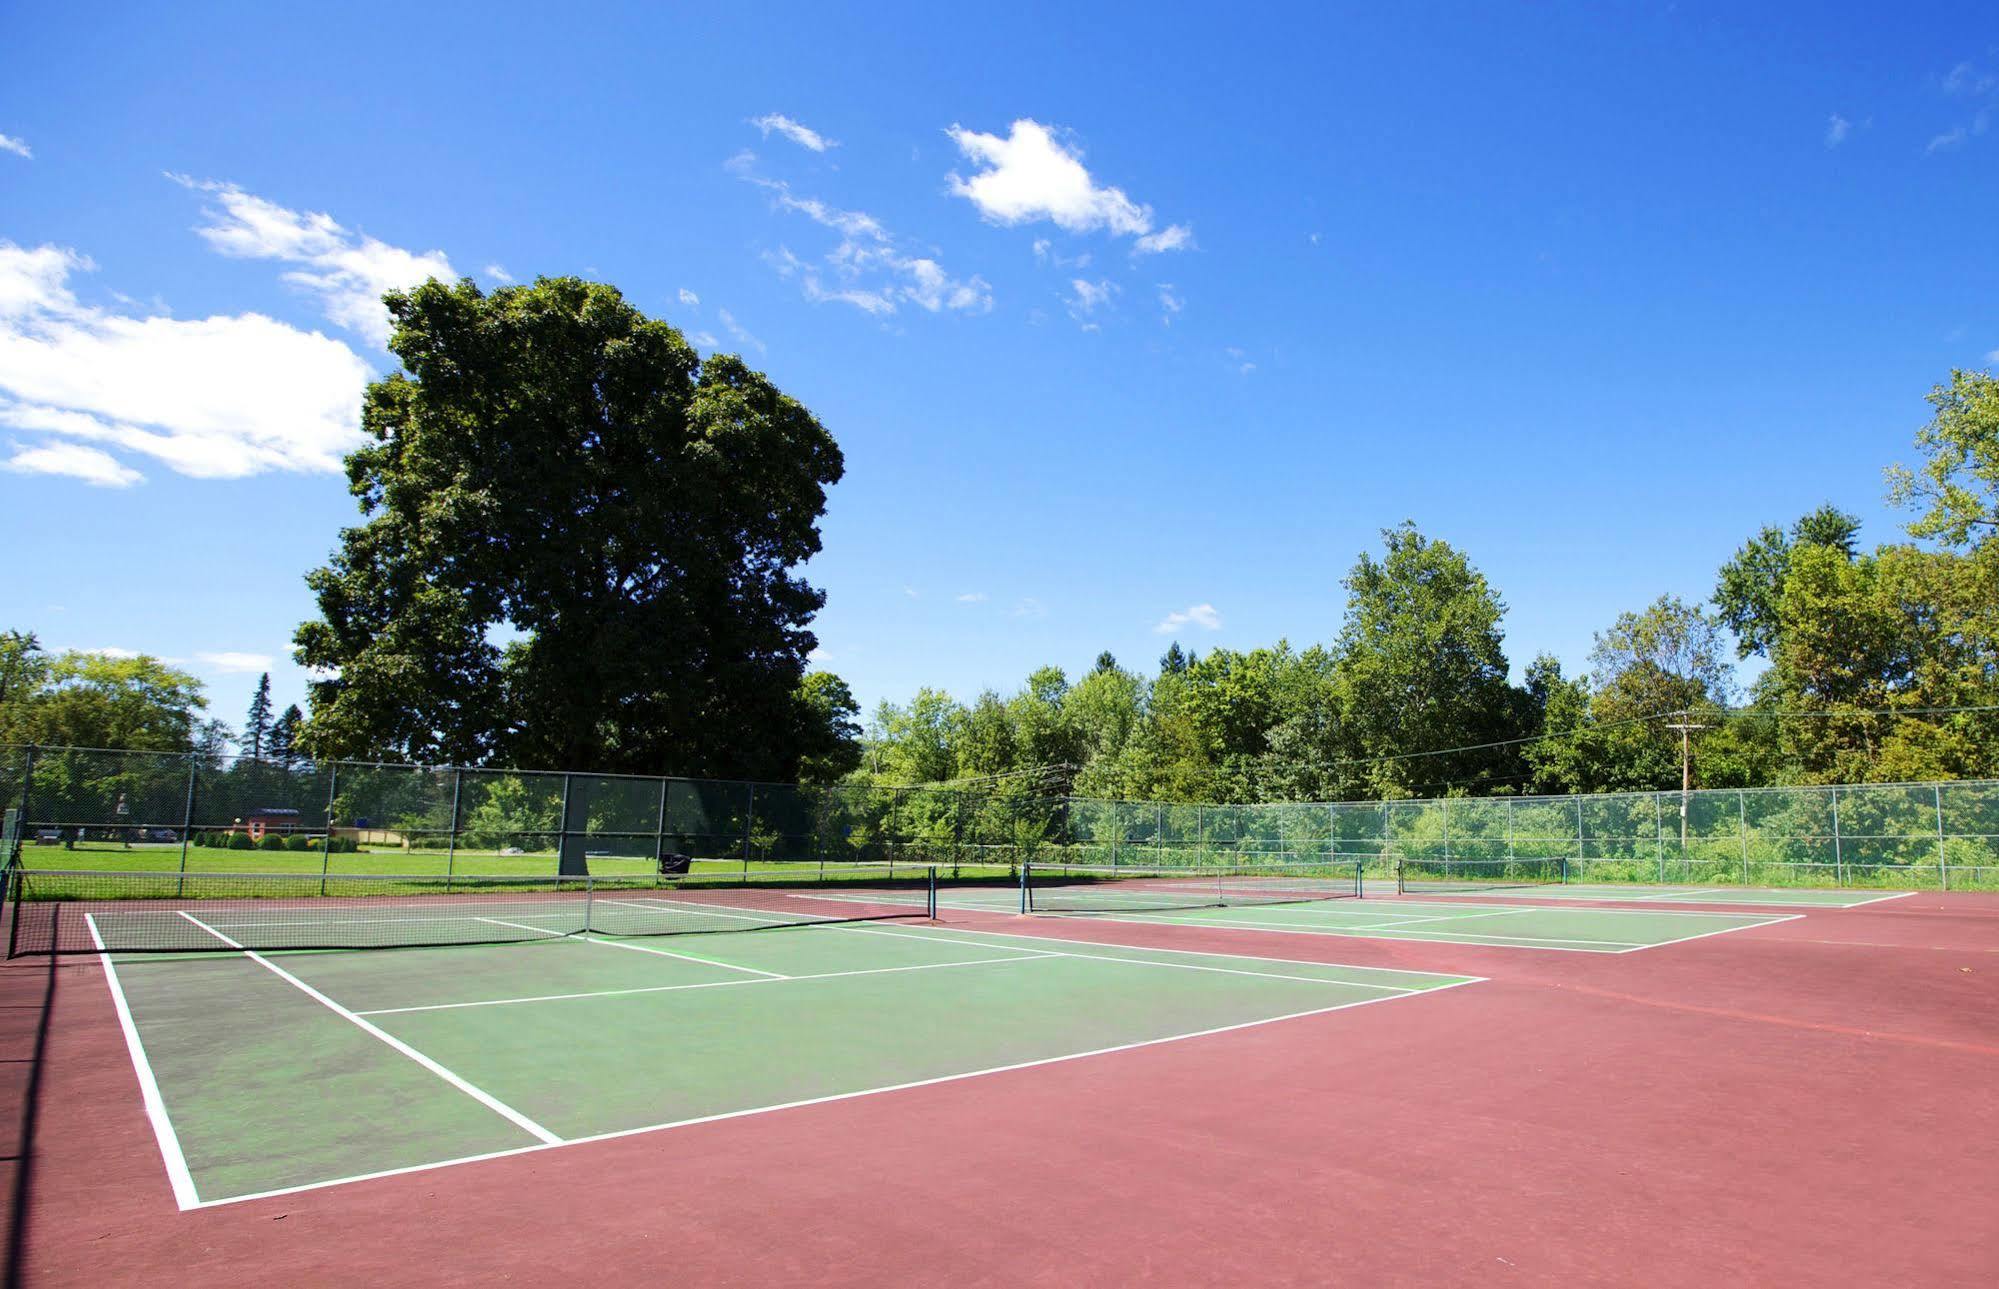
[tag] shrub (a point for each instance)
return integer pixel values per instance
(241, 841)
(299, 841)
(270, 841)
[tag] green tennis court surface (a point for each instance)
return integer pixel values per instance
(1477, 921)
(274, 1072)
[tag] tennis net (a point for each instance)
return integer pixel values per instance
(88, 912)
(1074, 888)
(1461, 876)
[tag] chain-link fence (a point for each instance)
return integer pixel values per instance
(207, 814)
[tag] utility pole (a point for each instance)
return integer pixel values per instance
(1686, 726)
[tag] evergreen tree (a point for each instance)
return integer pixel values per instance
(257, 724)
(284, 746)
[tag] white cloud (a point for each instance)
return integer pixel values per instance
(1836, 130)
(112, 651)
(1949, 139)
(74, 461)
(705, 339)
(498, 272)
(1966, 79)
(736, 330)
(1170, 303)
(229, 662)
(1031, 175)
(1174, 237)
(804, 136)
(689, 299)
(1240, 361)
(866, 270)
(972, 597)
(1044, 252)
(217, 397)
(1029, 607)
(1087, 297)
(912, 592)
(348, 271)
(1197, 615)
(19, 147)
(1992, 357)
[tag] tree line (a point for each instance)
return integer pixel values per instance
(1882, 665)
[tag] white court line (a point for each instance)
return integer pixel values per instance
(1727, 930)
(706, 984)
(826, 1100)
(635, 948)
(178, 1175)
(1556, 944)
(480, 1095)
(1549, 943)
(1454, 977)
(1176, 966)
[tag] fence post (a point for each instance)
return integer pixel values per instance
(451, 835)
(562, 844)
(27, 790)
(186, 822)
(1943, 864)
(1659, 840)
(1159, 834)
(1838, 855)
(1447, 831)
(326, 842)
(1742, 829)
(1582, 846)
(1509, 830)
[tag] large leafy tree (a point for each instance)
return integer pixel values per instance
(1956, 489)
(579, 546)
(88, 700)
(1750, 584)
(1423, 665)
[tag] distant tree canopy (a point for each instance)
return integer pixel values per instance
(1865, 650)
(579, 549)
(78, 699)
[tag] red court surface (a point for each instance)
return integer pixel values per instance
(1815, 1101)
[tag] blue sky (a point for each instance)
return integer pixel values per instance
(1125, 319)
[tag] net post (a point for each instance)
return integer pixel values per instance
(659, 832)
(326, 842)
(562, 844)
(451, 835)
(589, 898)
(1943, 864)
(930, 894)
(187, 816)
(1026, 867)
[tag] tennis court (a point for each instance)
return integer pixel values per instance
(267, 1072)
